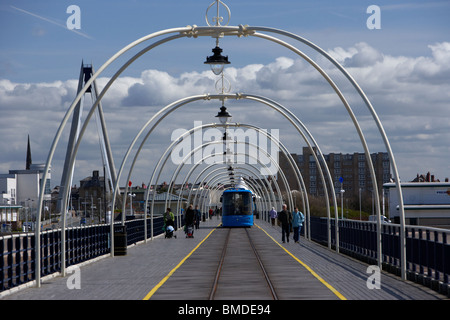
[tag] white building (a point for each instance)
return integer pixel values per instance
(21, 189)
(8, 187)
(425, 203)
(28, 184)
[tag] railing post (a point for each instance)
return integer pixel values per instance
(2, 264)
(9, 263)
(435, 264)
(18, 260)
(445, 259)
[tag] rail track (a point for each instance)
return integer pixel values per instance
(240, 272)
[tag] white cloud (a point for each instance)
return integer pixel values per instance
(410, 94)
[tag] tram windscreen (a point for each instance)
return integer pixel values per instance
(237, 203)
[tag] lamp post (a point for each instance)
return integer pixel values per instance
(342, 197)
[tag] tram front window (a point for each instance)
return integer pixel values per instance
(236, 203)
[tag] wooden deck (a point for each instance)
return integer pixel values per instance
(182, 269)
(241, 278)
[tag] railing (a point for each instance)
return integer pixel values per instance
(427, 249)
(17, 252)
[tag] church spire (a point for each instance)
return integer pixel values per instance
(28, 165)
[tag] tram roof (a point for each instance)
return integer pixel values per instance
(237, 189)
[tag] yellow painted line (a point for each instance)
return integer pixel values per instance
(329, 286)
(152, 292)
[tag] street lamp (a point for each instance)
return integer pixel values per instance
(217, 61)
(223, 115)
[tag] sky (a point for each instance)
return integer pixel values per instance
(403, 67)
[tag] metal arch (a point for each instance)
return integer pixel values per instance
(203, 126)
(251, 31)
(241, 31)
(258, 188)
(145, 50)
(66, 118)
(297, 124)
(294, 168)
(223, 179)
(250, 171)
(243, 169)
(83, 129)
(124, 67)
(155, 169)
(382, 133)
(220, 177)
(192, 169)
(173, 107)
(358, 129)
(298, 174)
(175, 174)
(246, 169)
(258, 202)
(266, 101)
(287, 154)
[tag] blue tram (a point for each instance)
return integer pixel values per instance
(237, 208)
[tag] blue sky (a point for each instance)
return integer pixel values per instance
(33, 49)
(40, 60)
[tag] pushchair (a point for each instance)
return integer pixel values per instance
(169, 229)
(190, 231)
(169, 232)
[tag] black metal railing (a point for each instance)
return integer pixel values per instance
(17, 251)
(427, 249)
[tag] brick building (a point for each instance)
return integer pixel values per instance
(353, 168)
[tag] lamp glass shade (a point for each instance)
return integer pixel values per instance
(217, 69)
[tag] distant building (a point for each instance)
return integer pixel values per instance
(29, 183)
(21, 188)
(8, 189)
(426, 202)
(352, 168)
(93, 196)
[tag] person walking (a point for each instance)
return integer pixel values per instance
(189, 218)
(297, 223)
(169, 219)
(198, 217)
(283, 217)
(273, 215)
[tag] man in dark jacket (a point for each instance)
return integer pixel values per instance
(285, 220)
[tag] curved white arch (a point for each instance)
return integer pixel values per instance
(203, 31)
(294, 168)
